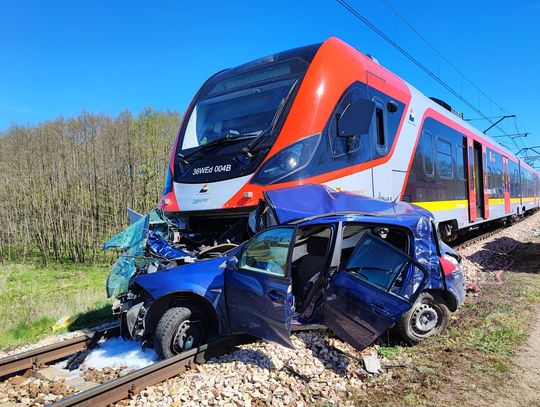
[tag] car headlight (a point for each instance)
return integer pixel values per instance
(287, 161)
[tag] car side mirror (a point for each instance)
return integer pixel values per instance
(356, 119)
(232, 263)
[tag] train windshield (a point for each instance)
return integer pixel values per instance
(245, 102)
(247, 112)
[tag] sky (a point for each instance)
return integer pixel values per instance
(59, 58)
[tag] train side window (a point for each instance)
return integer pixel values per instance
(444, 159)
(460, 162)
(427, 150)
(380, 126)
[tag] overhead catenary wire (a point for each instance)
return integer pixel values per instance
(423, 67)
(439, 54)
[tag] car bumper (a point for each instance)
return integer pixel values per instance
(455, 284)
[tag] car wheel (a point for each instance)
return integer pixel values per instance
(427, 317)
(177, 331)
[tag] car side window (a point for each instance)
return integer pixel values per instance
(376, 262)
(268, 252)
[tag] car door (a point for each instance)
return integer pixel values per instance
(367, 295)
(258, 286)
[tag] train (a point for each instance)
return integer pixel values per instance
(330, 114)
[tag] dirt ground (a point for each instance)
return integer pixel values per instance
(523, 386)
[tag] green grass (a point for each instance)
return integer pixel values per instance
(33, 298)
(497, 321)
(477, 348)
(389, 352)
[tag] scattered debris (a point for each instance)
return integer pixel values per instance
(372, 364)
(52, 373)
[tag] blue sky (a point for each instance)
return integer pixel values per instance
(59, 58)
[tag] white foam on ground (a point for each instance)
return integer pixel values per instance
(117, 352)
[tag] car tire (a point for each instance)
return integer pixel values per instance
(427, 317)
(177, 331)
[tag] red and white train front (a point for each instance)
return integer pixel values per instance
(323, 114)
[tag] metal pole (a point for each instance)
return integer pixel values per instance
(498, 121)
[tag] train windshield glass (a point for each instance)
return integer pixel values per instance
(247, 101)
(236, 113)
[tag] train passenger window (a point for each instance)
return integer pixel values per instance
(427, 149)
(444, 159)
(460, 163)
(380, 126)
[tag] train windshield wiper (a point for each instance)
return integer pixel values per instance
(255, 144)
(228, 137)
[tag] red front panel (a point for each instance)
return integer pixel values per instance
(506, 186)
(470, 170)
(485, 181)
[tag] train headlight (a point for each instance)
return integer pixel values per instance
(287, 161)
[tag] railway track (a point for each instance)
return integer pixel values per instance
(480, 235)
(132, 383)
(464, 243)
(36, 358)
(122, 387)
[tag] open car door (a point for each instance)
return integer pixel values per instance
(372, 291)
(258, 288)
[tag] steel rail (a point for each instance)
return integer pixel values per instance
(477, 239)
(51, 353)
(465, 242)
(134, 382)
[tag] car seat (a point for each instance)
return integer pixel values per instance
(307, 276)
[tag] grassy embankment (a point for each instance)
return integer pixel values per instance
(474, 358)
(33, 298)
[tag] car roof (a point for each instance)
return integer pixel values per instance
(308, 202)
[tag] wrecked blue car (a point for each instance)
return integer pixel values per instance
(318, 257)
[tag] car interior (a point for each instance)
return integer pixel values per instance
(354, 232)
(310, 255)
(387, 271)
(309, 260)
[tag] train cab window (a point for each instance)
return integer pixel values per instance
(427, 149)
(341, 146)
(444, 159)
(379, 123)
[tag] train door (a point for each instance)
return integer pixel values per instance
(535, 189)
(471, 179)
(520, 180)
(506, 186)
(484, 177)
(478, 180)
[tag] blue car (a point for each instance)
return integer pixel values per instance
(357, 265)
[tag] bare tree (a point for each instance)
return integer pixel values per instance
(65, 184)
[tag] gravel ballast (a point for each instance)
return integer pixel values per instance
(321, 369)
